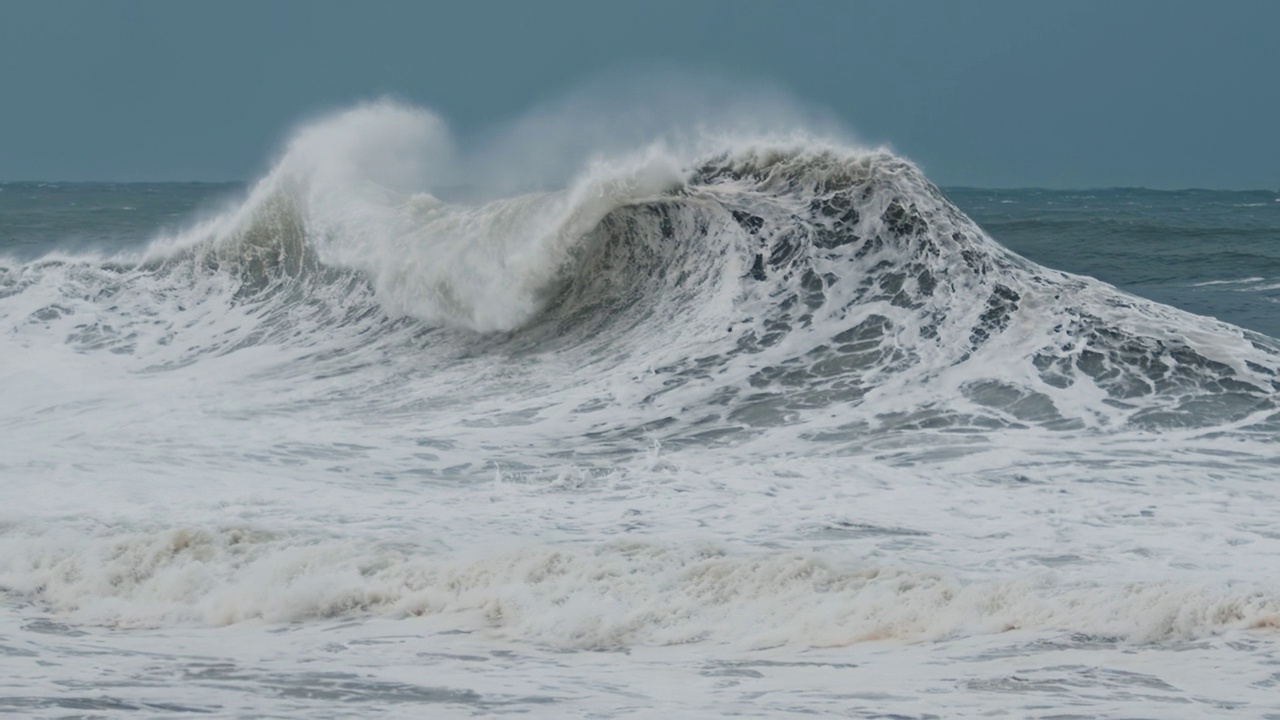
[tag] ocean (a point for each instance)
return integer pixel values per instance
(757, 426)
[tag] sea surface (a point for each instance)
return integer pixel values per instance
(756, 426)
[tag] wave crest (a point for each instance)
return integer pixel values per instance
(758, 278)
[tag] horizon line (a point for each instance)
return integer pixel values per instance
(1037, 188)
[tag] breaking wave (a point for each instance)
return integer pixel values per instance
(783, 295)
(760, 275)
(609, 596)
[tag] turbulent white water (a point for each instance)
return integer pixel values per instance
(764, 411)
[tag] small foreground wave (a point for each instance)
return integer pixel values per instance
(609, 595)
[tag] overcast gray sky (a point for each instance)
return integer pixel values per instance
(1155, 93)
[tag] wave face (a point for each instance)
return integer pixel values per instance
(744, 381)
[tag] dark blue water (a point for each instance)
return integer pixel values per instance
(1210, 252)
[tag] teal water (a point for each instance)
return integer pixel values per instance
(38, 218)
(1212, 253)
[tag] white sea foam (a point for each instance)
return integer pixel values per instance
(710, 392)
(1241, 281)
(603, 596)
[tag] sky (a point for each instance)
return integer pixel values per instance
(1150, 93)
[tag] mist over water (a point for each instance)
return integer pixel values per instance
(423, 421)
